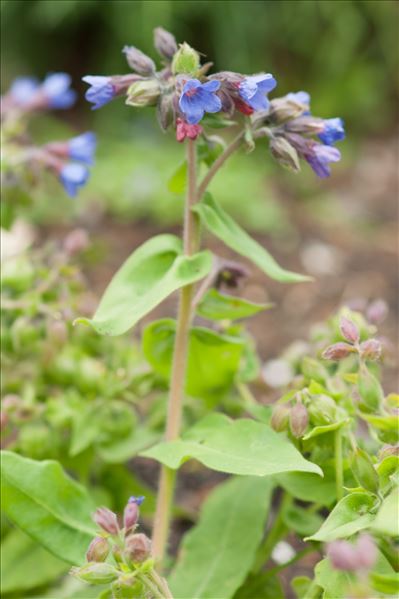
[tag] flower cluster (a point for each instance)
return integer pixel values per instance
(184, 94)
(120, 556)
(67, 160)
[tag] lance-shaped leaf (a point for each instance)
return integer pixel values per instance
(237, 447)
(349, 516)
(220, 306)
(213, 358)
(48, 505)
(154, 271)
(218, 222)
(218, 553)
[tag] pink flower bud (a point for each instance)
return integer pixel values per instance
(130, 515)
(164, 43)
(106, 520)
(138, 61)
(98, 550)
(76, 241)
(366, 552)
(337, 351)
(349, 330)
(138, 547)
(371, 349)
(377, 311)
(299, 420)
(343, 556)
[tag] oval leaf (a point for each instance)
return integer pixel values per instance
(237, 447)
(213, 358)
(219, 306)
(154, 271)
(216, 556)
(48, 505)
(350, 515)
(225, 228)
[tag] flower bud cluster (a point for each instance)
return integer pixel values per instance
(119, 555)
(184, 93)
(370, 349)
(294, 418)
(349, 557)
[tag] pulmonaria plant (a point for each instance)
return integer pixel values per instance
(22, 160)
(326, 452)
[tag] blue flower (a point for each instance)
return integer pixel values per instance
(253, 90)
(82, 147)
(137, 500)
(198, 98)
(23, 89)
(333, 131)
(73, 176)
(100, 92)
(319, 157)
(56, 88)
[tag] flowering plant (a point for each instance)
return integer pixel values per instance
(306, 452)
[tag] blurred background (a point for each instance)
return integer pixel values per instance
(342, 231)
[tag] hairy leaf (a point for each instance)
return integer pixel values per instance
(350, 515)
(219, 306)
(217, 554)
(154, 271)
(213, 358)
(237, 447)
(218, 222)
(48, 505)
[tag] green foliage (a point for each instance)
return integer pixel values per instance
(48, 505)
(215, 219)
(219, 306)
(216, 556)
(149, 275)
(237, 447)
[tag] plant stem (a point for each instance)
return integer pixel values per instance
(175, 403)
(276, 532)
(339, 476)
(232, 147)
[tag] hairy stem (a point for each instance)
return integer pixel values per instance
(175, 403)
(231, 148)
(339, 476)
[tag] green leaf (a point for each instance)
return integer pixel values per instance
(122, 450)
(300, 585)
(48, 505)
(237, 447)
(387, 521)
(218, 306)
(213, 358)
(154, 271)
(387, 423)
(309, 487)
(26, 565)
(335, 583)
(350, 515)
(216, 556)
(260, 585)
(385, 583)
(178, 181)
(301, 521)
(387, 469)
(225, 228)
(325, 428)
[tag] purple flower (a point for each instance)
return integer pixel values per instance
(82, 147)
(56, 88)
(253, 90)
(101, 90)
(198, 98)
(73, 176)
(23, 89)
(333, 131)
(137, 500)
(319, 157)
